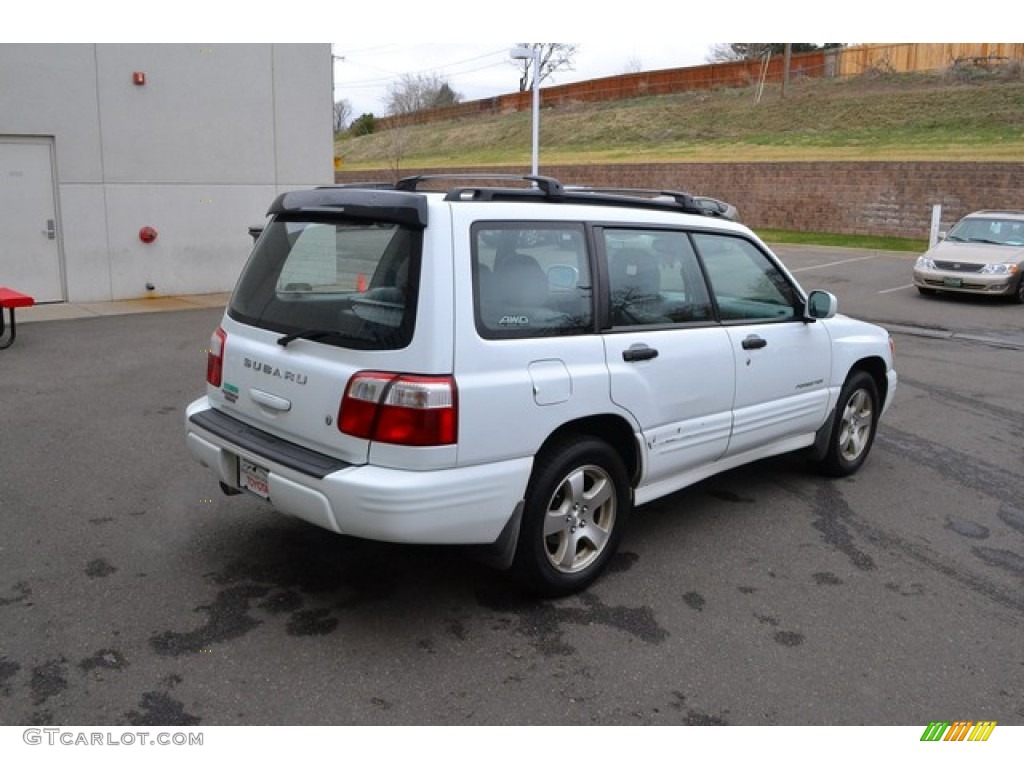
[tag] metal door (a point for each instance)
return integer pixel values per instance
(30, 256)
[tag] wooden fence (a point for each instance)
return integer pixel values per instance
(925, 57)
(840, 62)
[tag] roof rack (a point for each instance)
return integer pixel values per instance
(684, 200)
(359, 185)
(548, 189)
(548, 186)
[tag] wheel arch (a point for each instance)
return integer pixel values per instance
(876, 368)
(614, 430)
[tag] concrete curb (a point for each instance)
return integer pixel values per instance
(79, 310)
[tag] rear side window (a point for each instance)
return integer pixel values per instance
(347, 283)
(531, 280)
(654, 278)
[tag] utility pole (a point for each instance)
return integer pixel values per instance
(785, 68)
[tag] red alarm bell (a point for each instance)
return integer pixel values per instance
(147, 234)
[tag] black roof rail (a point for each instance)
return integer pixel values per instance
(683, 199)
(548, 186)
(359, 185)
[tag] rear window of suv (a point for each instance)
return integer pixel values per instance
(346, 283)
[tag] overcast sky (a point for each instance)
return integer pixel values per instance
(363, 72)
(381, 41)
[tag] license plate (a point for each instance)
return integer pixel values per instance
(952, 282)
(253, 478)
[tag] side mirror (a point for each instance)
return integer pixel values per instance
(821, 305)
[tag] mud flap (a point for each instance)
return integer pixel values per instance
(502, 552)
(818, 450)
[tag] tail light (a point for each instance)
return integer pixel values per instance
(215, 359)
(400, 408)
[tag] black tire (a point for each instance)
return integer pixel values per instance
(853, 426)
(1018, 295)
(577, 504)
(926, 291)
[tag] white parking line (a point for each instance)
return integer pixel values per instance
(901, 288)
(833, 263)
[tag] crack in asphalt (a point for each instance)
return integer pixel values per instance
(968, 471)
(838, 521)
(1008, 341)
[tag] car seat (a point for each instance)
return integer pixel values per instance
(635, 282)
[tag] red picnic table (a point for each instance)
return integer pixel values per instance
(11, 300)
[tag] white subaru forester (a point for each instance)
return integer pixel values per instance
(515, 366)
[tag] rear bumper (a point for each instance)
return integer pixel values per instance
(463, 505)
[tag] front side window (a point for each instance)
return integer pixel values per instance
(348, 283)
(745, 283)
(530, 279)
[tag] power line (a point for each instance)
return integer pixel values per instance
(390, 75)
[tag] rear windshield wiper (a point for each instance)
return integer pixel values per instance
(311, 333)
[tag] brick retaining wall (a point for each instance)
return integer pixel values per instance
(878, 198)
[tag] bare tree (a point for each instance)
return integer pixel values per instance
(342, 115)
(416, 92)
(397, 145)
(720, 52)
(633, 66)
(554, 57)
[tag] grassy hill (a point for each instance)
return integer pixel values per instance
(967, 116)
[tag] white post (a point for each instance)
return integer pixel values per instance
(933, 233)
(524, 52)
(536, 110)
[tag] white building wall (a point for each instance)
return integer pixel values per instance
(197, 153)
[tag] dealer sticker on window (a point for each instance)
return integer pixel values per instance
(253, 478)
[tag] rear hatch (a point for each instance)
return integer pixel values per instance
(331, 289)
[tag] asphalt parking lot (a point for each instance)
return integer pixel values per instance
(133, 593)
